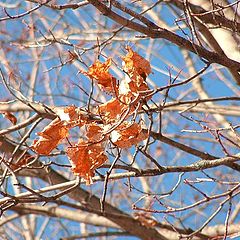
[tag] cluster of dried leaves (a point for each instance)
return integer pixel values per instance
(128, 96)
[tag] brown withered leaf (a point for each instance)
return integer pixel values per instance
(100, 72)
(86, 158)
(134, 62)
(127, 135)
(50, 137)
(10, 117)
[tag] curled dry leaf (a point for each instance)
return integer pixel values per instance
(50, 137)
(99, 72)
(134, 62)
(127, 135)
(86, 158)
(10, 117)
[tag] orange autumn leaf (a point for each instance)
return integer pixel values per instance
(134, 62)
(85, 159)
(112, 110)
(127, 135)
(138, 84)
(100, 72)
(94, 132)
(134, 86)
(116, 108)
(132, 90)
(50, 137)
(57, 130)
(73, 116)
(10, 117)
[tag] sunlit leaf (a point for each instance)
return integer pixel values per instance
(100, 72)
(86, 158)
(133, 85)
(72, 116)
(133, 90)
(94, 132)
(134, 62)
(112, 110)
(50, 137)
(127, 135)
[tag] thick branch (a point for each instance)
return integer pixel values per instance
(208, 17)
(58, 212)
(230, 162)
(41, 109)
